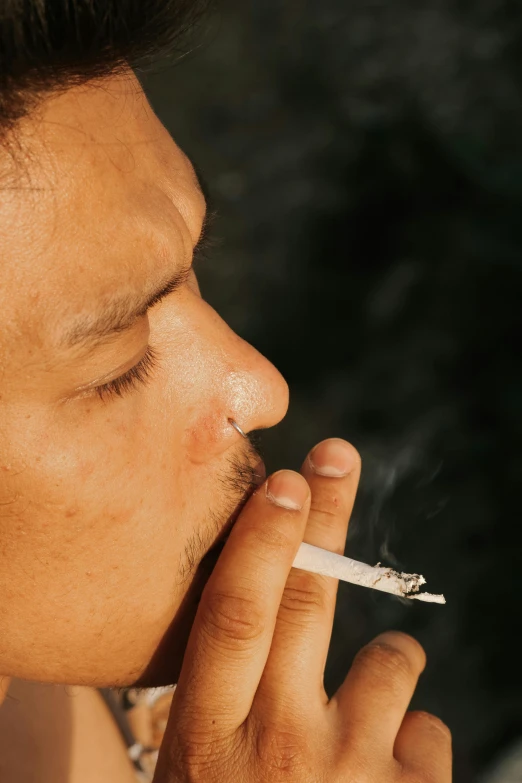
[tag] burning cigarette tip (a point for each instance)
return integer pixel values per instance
(321, 561)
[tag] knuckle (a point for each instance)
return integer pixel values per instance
(304, 596)
(194, 758)
(329, 509)
(186, 758)
(233, 619)
(198, 757)
(386, 663)
(430, 722)
(281, 753)
(272, 539)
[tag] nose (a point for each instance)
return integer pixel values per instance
(235, 382)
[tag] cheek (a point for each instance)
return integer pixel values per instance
(99, 455)
(95, 502)
(92, 546)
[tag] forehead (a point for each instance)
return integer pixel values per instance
(97, 199)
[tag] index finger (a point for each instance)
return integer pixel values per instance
(232, 632)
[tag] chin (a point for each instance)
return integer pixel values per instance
(165, 665)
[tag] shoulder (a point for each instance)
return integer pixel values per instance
(59, 734)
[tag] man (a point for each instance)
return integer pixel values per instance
(126, 406)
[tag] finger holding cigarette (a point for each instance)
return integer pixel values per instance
(306, 612)
(250, 703)
(332, 503)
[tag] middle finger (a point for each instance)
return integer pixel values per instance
(305, 617)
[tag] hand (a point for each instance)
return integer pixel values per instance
(250, 705)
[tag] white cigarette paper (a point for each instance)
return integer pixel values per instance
(320, 561)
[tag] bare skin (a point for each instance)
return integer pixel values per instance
(250, 703)
(109, 504)
(60, 734)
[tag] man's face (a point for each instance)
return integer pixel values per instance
(109, 502)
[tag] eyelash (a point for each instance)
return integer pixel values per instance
(141, 372)
(138, 374)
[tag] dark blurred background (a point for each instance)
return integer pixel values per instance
(365, 159)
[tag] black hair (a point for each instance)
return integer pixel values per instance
(50, 45)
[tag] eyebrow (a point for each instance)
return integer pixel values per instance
(120, 314)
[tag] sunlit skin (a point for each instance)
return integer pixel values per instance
(108, 506)
(111, 504)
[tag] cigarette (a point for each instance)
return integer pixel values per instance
(320, 561)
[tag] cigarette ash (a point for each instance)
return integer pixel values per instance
(408, 585)
(411, 582)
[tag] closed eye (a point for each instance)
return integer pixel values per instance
(142, 371)
(139, 374)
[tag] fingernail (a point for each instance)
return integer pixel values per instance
(287, 489)
(333, 457)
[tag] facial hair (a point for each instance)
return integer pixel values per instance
(238, 480)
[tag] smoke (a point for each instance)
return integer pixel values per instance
(394, 500)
